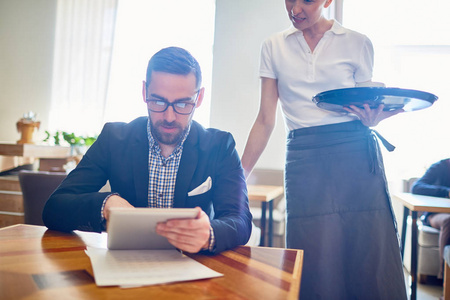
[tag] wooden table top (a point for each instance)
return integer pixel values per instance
(423, 203)
(264, 193)
(36, 263)
(31, 150)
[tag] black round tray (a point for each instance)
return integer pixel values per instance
(392, 98)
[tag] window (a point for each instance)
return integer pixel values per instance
(82, 56)
(143, 28)
(102, 49)
(412, 50)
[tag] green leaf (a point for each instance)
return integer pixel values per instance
(71, 138)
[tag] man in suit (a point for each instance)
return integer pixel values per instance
(436, 182)
(163, 160)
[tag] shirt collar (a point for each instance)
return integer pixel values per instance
(154, 146)
(337, 28)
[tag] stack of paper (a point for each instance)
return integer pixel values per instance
(133, 268)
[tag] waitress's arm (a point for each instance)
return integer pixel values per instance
(263, 126)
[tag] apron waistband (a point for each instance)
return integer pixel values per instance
(353, 126)
(339, 127)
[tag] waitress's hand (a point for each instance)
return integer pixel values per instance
(371, 117)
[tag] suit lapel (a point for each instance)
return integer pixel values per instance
(188, 165)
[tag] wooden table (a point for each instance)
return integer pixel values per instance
(32, 150)
(412, 204)
(36, 263)
(265, 194)
(51, 158)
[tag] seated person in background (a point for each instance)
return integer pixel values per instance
(436, 182)
(156, 161)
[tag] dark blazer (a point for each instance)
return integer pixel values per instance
(435, 182)
(121, 155)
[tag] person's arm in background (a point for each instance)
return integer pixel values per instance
(263, 126)
(435, 182)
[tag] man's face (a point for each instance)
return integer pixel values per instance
(169, 127)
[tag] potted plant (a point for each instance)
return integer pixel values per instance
(78, 144)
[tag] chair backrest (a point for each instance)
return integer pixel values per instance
(408, 183)
(37, 186)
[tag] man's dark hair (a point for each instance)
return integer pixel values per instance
(174, 60)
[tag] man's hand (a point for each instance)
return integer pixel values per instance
(114, 201)
(371, 117)
(190, 235)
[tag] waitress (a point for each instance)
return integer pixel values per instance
(338, 206)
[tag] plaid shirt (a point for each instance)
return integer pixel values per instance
(162, 173)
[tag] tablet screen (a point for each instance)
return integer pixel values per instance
(135, 228)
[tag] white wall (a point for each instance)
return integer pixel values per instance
(241, 27)
(26, 57)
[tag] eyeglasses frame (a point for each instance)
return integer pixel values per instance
(168, 104)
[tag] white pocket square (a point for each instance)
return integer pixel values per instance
(202, 188)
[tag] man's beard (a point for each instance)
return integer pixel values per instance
(168, 138)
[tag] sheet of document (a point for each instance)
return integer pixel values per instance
(133, 268)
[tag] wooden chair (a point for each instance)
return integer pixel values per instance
(37, 186)
(428, 257)
(447, 273)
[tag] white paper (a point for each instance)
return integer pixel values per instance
(132, 268)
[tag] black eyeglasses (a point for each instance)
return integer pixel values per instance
(181, 107)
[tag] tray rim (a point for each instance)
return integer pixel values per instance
(374, 92)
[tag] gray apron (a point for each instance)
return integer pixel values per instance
(339, 212)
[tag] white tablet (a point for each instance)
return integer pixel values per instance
(135, 228)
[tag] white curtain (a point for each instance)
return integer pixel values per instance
(82, 55)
